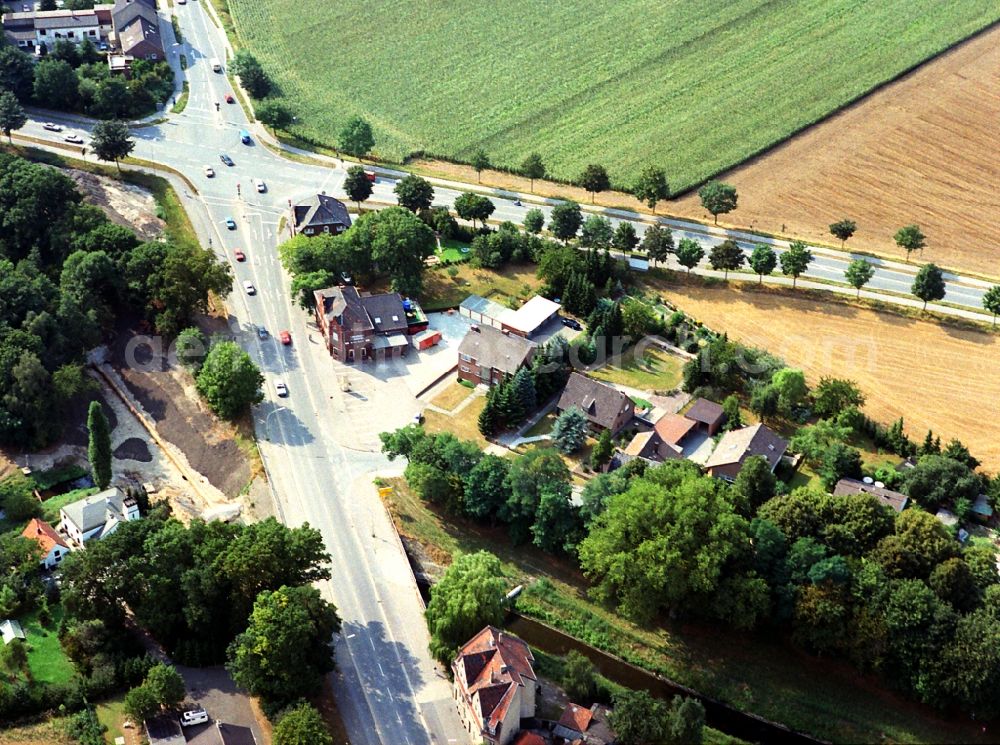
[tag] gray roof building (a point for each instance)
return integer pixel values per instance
(494, 350)
(888, 497)
(736, 446)
(605, 407)
(99, 512)
(321, 214)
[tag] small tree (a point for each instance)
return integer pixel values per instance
(14, 656)
(657, 242)
(112, 141)
(718, 198)
(99, 446)
(731, 408)
(579, 677)
(357, 185)
(689, 253)
(229, 380)
(625, 239)
(414, 193)
(651, 187)
(252, 76)
(273, 114)
(991, 302)
(480, 161)
(763, 260)
(765, 402)
(533, 168)
(859, 273)
(471, 206)
(602, 452)
(910, 239)
(141, 703)
(534, 221)
(726, 256)
(166, 684)
(191, 347)
(565, 220)
(12, 114)
(301, 725)
(469, 596)
(594, 179)
(843, 229)
(929, 284)
(795, 260)
(687, 721)
(356, 138)
(570, 430)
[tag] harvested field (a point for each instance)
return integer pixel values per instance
(922, 150)
(937, 377)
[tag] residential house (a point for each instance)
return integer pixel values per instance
(320, 214)
(164, 730)
(11, 630)
(29, 30)
(54, 548)
(494, 685)
(888, 497)
(604, 406)
(97, 516)
(487, 355)
(582, 726)
(708, 414)
(359, 327)
(530, 738)
(736, 446)
(137, 29)
(531, 317)
(221, 733)
(672, 433)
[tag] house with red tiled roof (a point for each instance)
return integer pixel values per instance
(54, 548)
(581, 726)
(495, 685)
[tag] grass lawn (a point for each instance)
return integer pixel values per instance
(48, 662)
(111, 714)
(543, 426)
(48, 732)
(464, 425)
(451, 250)
(656, 370)
(452, 396)
(758, 673)
(516, 284)
(707, 84)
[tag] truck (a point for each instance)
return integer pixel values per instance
(216, 65)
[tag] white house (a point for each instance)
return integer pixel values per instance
(97, 516)
(54, 548)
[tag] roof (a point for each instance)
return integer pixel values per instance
(123, 12)
(319, 210)
(66, 19)
(221, 733)
(486, 307)
(887, 497)
(93, 511)
(495, 664)
(529, 738)
(576, 717)
(384, 314)
(982, 506)
(672, 428)
(164, 731)
(705, 411)
(492, 348)
(638, 444)
(532, 314)
(10, 630)
(43, 534)
(601, 403)
(739, 444)
(386, 311)
(137, 31)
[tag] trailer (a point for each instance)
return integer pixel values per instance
(426, 339)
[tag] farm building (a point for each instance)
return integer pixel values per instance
(483, 311)
(888, 497)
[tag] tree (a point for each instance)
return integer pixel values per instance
(111, 141)
(229, 380)
(357, 185)
(602, 452)
(726, 256)
(47, 5)
(689, 253)
(718, 198)
(286, 648)
(910, 239)
(638, 318)
(273, 114)
(833, 395)
(17, 72)
(469, 596)
(687, 721)
(765, 402)
(356, 138)
(56, 84)
(791, 386)
(252, 76)
(414, 193)
(594, 179)
(625, 239)
(486, 488)
(754, 484)
(579, 677)
(991, 302)
(570, 430)
(938, 479)
(763, 260)
(533, 168)
(534, 221)
(99, 447)
(480, 162)
(640, 719)
(918, 544)
(843, 229)
(651, 187)
(657, 242)
(814, 440)
(596, 232)
(795, 260)
(540, 475)
(928, 284)
(141, 703)
(565, 220)
(12, 114)
(301, 725)
(859, 273)
(395, 241)
(840, 461)
(471, 206)
(732, 413)
(166, 684)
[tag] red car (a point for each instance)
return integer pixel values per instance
(240, 256)
(230, 99)
(370, 175)
(285, 337)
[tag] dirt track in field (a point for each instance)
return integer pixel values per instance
(937, 377)
(922, 150)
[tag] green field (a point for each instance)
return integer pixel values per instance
(693, 86)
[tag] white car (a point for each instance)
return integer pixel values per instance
(209, 171)
(52, 127)
(248, 286)
(280, 388)
(259, 185)
(195, 716)
(75, 139)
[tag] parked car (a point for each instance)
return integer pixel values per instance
(346, 278)
(231, 223)
(286, 338)
(75, 139)
(250, 289)
(571, 323)
(259, 185)
(229, 98)
(209, 171)
(240, 256)
(226, 159)
(280, 388)
(195, 716)
(52, 127)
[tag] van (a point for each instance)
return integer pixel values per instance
(216, 65)
(245, 137)
(197, 716)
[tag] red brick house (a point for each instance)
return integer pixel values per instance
(487, 355)
(359, 327)
(605, 406)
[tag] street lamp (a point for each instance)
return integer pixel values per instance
(267, 430)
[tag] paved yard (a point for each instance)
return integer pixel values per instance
(213, 689)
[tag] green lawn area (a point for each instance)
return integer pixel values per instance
(46, 658)
(464, 425)
(111, 714)
(451, 250)
(754, 672)
(516, 284)
(655, 370)
(542, 427)
(453, 394)
(707, 83)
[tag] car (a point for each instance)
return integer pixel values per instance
(260, 185)
(286, 338)
(346, 278)
(240, 256)
(250, 289)
(517, 202)
(418, 418)
(226, 159)
(52, 127)
(75, 139)
(280, 388)
(103, 46)
(245, 137)
(209, 172)
(370, 175)
(571, 323)
(193, 717)
(231, 223)
(229, 98)
(261, 332)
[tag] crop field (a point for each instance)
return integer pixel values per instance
(922, 150)
(694, 86)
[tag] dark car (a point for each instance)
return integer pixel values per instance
(229, 98)
(226, 159)
(572, 323)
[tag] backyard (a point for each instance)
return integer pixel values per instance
(441, 290)
(654, 370)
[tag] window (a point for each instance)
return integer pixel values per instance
(335, 335)
(69, 34)
(465, 358)
(326, 228)
(93, 33)
(465, 368)
(378, 320)
(152, 56)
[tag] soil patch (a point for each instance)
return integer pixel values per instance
(76, 432)
(125, 204)
(133, 449)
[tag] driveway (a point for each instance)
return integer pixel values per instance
(213, 689)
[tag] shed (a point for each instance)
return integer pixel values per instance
(427, 339)
(11, 630)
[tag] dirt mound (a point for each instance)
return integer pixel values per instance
(133, 449)
(125, 204)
